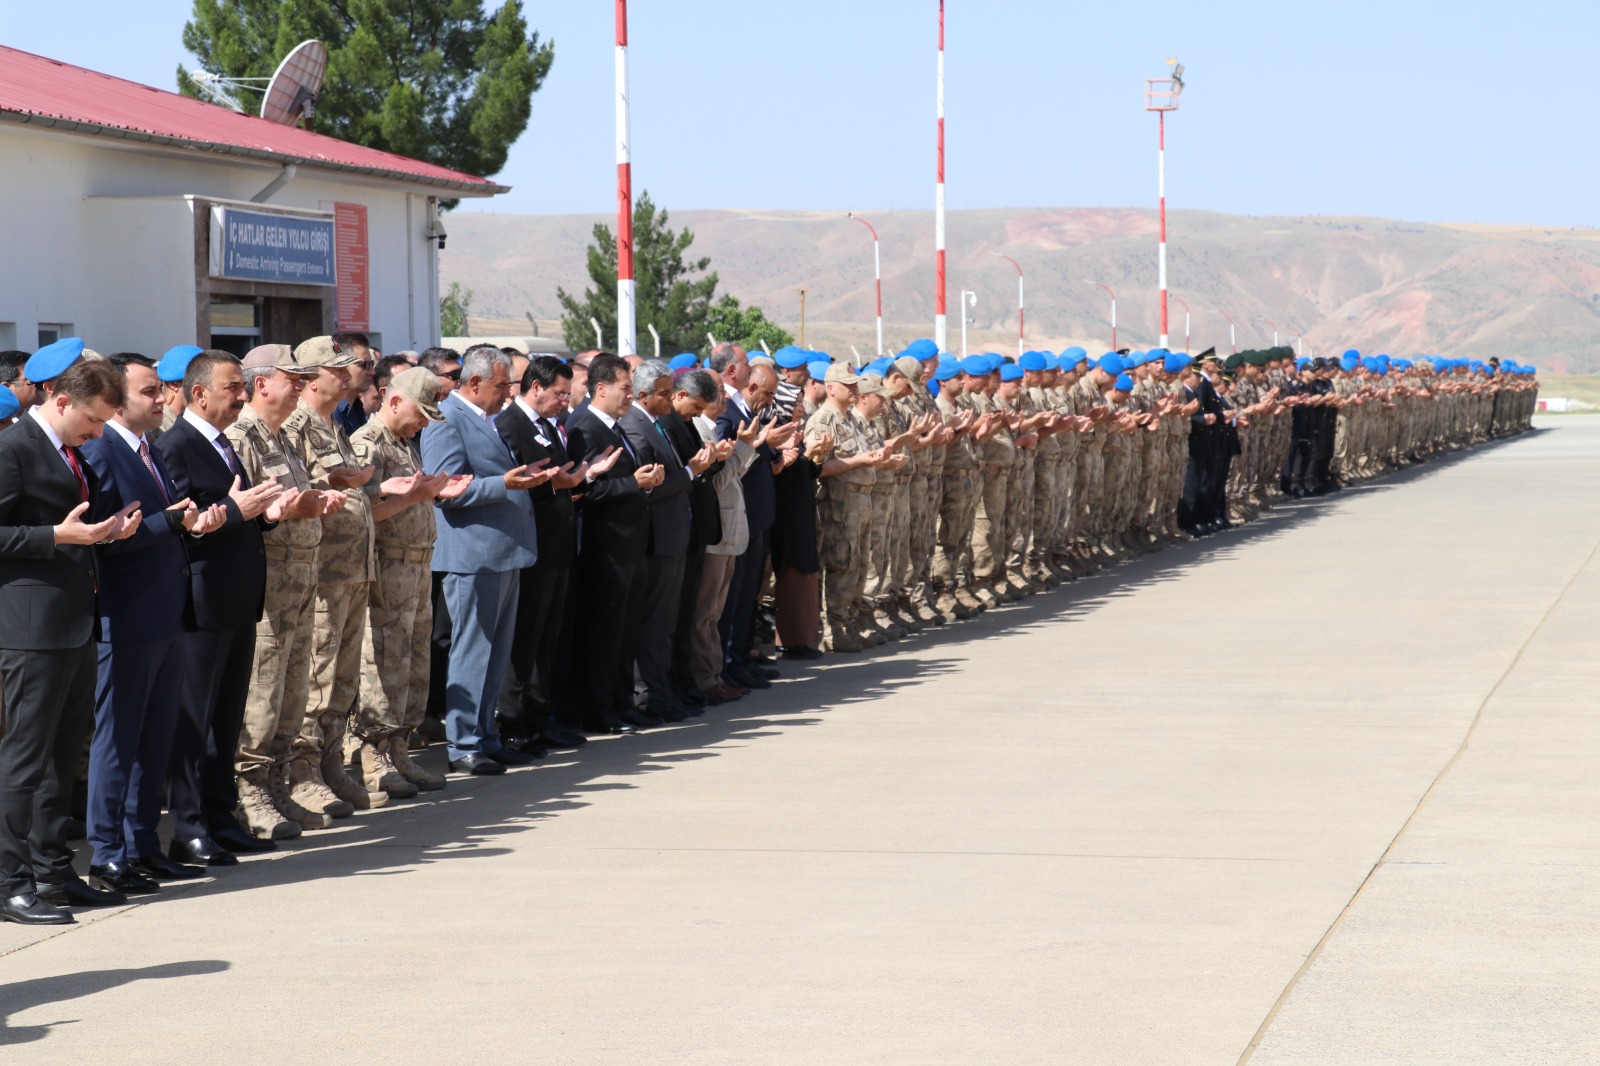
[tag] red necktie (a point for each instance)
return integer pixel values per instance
(77, 471)
(149, 464)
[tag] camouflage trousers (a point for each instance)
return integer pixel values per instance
(341, 615)
(958, 509)
(989, 527)
(923, 503)
(844, 515)
(394, 669)
(880, 540)
(1019, 510)
(280, 674)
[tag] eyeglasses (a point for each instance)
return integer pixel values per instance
(453, 375)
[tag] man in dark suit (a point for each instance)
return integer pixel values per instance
(761, 509)
(692, 392)
(144, 591)
(613, 535)
(227, 588)
(47, 647)
(671, 531)
(530, 426)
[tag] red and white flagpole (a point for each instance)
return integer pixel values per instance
(939, 318)
(1161, 189)
(627, 324)
(877, 272)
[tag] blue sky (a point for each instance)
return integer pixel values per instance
(1473, 111)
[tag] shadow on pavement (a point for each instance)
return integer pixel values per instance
(26, 995)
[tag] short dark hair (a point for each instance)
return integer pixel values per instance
(200, 367)
(699, 384)
(388, 367)
(543, 371)
(11, 364)
(123, 360)
(92, 379)
(434, 358)
(506, 348)
(607, 369)
(346, 341)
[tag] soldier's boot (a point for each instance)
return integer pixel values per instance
(307, 788)
(984, 594)
(927, 613)
(948, 604)
(868, 630)
(261, 818)
(1019, 583)
(880, 617)
(333, 773)
(278, 789)
(837, 637)
(379, 773)
(409, 770)
(907, 613)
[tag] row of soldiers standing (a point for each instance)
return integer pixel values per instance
(957, 484)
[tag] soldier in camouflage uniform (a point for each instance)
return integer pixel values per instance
(958, 505)
(1024, 420)
(917, 404)
(996, 452)
(394, 679)
(873, 619)
(344, 572)
(280, 671)
(844, 507)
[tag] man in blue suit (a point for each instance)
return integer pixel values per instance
(486, 538)
(144, 588)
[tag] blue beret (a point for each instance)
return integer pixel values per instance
(922, 348)
(1133, 359)
(880, 366)
(819, 369)
(1073, 358)
(1352, 354)
(946, 371)
(9, 404)
(1350, 360)
(1033, 361)
(171, 367)
(1124, 383)
(48, 362)
(1302, 362)
(1157, 354)
(1011, 372)
(790, 357)
(684, 361)
(975, 366)
(1176, 362)
(1111, 363)
(1075, 352)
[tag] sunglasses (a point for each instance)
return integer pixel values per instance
(453, 375)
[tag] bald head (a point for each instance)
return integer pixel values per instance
(761, 387)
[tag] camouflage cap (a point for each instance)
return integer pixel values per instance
(870, 385)
(322, 351)
(274, 357)
(421, 386)
(910, 367)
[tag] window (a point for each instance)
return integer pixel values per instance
(50, 332)
(8, 336)
(235, 325)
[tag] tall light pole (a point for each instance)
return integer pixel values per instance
(1233, 340)
(1113, 296)
(1181, 300)
(1274, 326)
(939, 318)
(968, 300)
(877, 272)
(1020, 302)
(1161, 95)
(627, 325)
(1299, 339)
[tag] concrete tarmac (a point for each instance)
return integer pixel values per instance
(1316, 791)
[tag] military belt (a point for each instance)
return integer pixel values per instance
(405, 555)
(280, 554)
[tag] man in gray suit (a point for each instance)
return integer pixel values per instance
(486, 537)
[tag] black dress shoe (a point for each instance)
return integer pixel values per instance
(509, 756)
(763, 671)
(763, 660)
(642, 719)
(800, 651)
(28, 909)
(201, 851)
(747, 679)
(609, 724)
(554, 734)
(231, 836)
(691, 697)
(528, 746)
(475, 763)
(668, 712)
(122, 877)
(75, 892)
(158, 867)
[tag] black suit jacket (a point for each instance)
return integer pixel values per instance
(704, 512)
(144, 580)
(554, 516)
(760, 493)
(227, 568)
(614, 512)
(47, 590)
(670, 518)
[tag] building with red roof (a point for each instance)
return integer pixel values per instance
(139, 218)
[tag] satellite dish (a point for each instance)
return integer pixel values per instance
(217, 89)
(292, 92)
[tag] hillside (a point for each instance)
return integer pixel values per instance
(1374, 284)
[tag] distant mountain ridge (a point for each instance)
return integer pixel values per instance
(1379, 285)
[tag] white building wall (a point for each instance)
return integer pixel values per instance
(100, 238)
